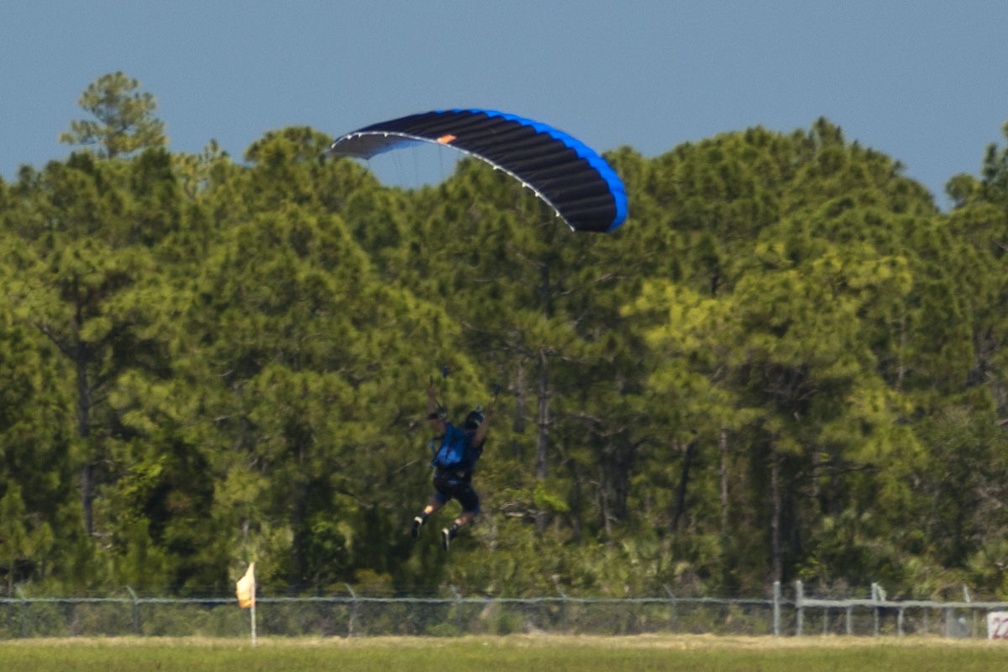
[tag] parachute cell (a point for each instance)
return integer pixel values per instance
(571, 177)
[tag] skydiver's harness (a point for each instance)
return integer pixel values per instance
(454, 458)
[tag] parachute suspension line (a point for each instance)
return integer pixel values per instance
(413, 167)
(446, 156)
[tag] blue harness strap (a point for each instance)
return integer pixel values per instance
(452, 452)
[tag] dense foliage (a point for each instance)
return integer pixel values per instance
(787, 364)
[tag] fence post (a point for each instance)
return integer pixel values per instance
(973, 613)
(799, 608)
(563, 607)
(776, 608)
(24, 611)
(353, 611)
(877, 595)
(458, 611)
(136, 610)
(672, 608)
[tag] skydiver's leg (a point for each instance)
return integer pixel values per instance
(435, 504)
(470, 507)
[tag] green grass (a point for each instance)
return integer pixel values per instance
(506, 654)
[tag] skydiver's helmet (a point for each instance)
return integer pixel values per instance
(474, 419)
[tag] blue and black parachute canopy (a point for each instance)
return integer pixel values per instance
(571, 177)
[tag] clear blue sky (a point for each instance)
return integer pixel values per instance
(925, 81)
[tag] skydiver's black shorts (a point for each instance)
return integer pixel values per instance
(450, 487)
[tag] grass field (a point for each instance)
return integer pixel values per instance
(506, 654)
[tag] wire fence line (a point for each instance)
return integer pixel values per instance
(354, 615)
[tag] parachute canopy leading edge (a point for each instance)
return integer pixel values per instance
(571, 177)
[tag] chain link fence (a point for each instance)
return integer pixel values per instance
(353, 615)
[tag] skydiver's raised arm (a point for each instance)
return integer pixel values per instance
(484, 426)
(433, 415)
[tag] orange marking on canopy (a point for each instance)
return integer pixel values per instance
(445, 139)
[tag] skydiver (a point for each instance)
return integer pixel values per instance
(454, 461)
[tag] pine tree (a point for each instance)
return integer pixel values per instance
(124, 121)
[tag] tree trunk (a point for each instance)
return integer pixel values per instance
(80, 356)
(723, 444)
(575, 499)
(543, 422)
(680, 505)
(776, 562)
(542, 418)
(521, 394)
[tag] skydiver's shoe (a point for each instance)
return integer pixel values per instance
(446, 538)
(417, 524)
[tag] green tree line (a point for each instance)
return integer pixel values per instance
(787, 364)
